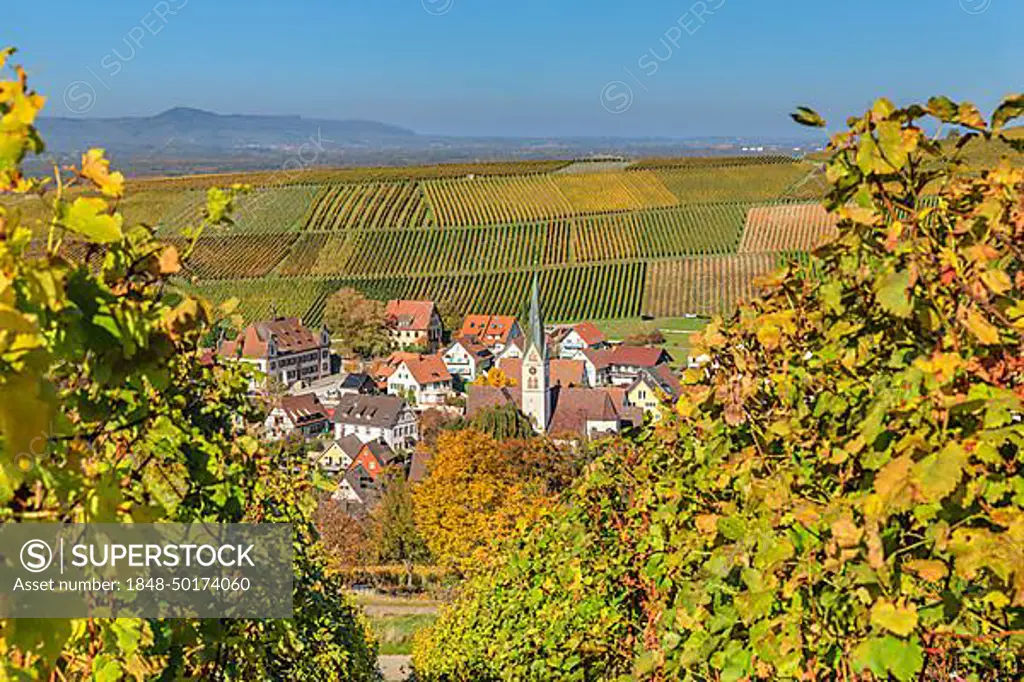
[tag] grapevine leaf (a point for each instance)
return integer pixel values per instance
(97, 169)
(938, 474)
(806, 116)
(930, 570)
(900, 620)
(892, 293)
(982, 329)
(89, 218)
(1011, 108)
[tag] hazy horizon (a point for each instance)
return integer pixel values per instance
(719, 68)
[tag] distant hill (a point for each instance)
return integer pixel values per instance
(185, 141)
(194, 130)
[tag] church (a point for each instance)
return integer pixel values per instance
(557, 411)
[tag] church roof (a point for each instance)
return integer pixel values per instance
(535, 335)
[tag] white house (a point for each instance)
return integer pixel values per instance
(426, 379)
(467, 359)
(579, 337)
(376, 417)
(625, 363)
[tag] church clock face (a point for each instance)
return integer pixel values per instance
(533, 371)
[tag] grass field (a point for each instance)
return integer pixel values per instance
(676, 330)
(396, 620)
(395, 633)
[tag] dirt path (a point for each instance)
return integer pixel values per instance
(395, 668)
(393, 610)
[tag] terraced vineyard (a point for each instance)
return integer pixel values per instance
(706, 162)
(792, 227)
(704, 286)
(664, 237)
(345, 207)
(753, 182)
(264, 210)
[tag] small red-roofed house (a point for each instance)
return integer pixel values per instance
(625, 363)
(414, 324)
(579, 337)
(493, 331)
(425, 378)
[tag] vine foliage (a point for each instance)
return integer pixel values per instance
(840, 494)
(109, 412)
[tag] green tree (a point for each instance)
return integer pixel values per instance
(393, 534)
(357, 323)
(840, 494)
(503, 423)
(107, 414)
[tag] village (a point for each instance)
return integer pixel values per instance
(360, 418)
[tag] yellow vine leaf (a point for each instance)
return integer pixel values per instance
(897, 619)
(96, 168)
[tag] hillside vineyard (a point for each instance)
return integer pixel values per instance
(662, 237)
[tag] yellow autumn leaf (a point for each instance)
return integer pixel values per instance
(896, 618)
(96, 168)
(997, 280)
(169, 262)
(982, 329)
(846, 532)
(928, 569)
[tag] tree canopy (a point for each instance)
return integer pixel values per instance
(357, 323)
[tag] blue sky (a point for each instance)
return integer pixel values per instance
(519, 67)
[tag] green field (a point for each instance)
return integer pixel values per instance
(676, 330)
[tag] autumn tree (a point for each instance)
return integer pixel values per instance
(357, 324)
(393, 534)
(345, 536)
(504, 422)
(495, 377)
(473, 495)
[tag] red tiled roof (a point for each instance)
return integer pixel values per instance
(473, 347)
(484, 397)
(383, 369)
(637, 356)
(562, 372)
(428, 369)
(289, 334)
(590, 334)
(411, 315)
(574, 407)
(600, 358)
(488, 328)
(567, 372)
(474, 325)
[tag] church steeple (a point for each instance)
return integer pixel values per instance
(535, 330)
(536, 402)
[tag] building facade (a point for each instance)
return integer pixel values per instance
(283, 350)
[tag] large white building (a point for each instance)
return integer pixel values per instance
(376, 417)
(282, 349)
